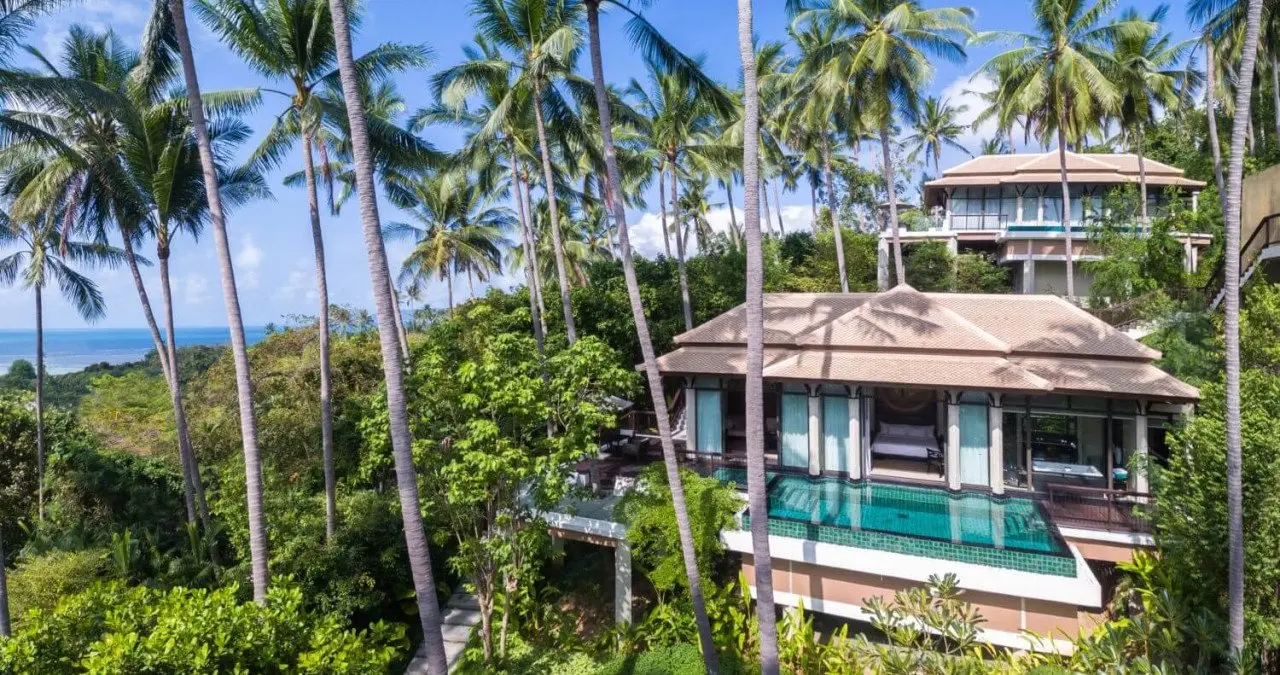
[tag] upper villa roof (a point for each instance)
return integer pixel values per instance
(1018, 343)
(991, 170)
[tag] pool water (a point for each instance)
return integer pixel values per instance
(1011, 524)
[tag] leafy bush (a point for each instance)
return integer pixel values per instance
(39, 581)
(651, 525)
(112, 628)
(682, 659)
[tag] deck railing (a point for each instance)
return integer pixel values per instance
(1098, 508)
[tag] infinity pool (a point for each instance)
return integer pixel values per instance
(1011, 532)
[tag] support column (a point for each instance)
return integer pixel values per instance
(855, 434)
(1139, 477)
(622, 583)
(882, 264)
(995, 443)
(1195, 201)
(690, 416)
(951, 453)
(1028, 276)
(815, 431)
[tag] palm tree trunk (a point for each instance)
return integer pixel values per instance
(777, 209)
(5, 630)
(562, 276)
(829, 177)
(401, 331)
(530, 272)
(1142, 178)
(685, 302)
(162, 355)
(169, 366)
(813, 203)
(766, 217)
(239, 351)
(1211, 107)
(1231, 330)
(757, 500)
(397, 407)
(662, 208)
(683, 525)
(448, 277)
(892, 191)
(1066, 210)
(728, 193)
(39, 404)
(322, 329)
(533, 253)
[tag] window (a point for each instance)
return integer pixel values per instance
(835, 433)
(795, 430)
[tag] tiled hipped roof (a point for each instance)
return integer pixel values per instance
(1013, 343)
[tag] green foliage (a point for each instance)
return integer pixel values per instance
(682, 659)
(651, 525)
(1192, 538)
(813, 261)
(66, 390)
(1135, 263)
(132, 412)
(979, 273)
(112, 628)
(40, 581)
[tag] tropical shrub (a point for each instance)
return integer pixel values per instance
(40, 581)
(112, 628)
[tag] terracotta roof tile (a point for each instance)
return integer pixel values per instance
(902, 318)
(927, 370)
(713, 360)
(1110, 377)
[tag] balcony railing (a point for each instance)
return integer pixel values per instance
(1098, 508)
(978, 221)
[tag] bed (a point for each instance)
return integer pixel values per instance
(906, 441)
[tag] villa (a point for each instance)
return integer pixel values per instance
(1002, 438)
(1010, 207)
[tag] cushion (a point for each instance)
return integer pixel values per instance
(919, 431)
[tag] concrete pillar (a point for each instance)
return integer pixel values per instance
(953, 245)
(1138, 479)
(815, 431)
(1018, 216)
(690, 417)
(951, 453)
(1040, 207)
(1187, 263)
(855, 436)
(1195, 201)
(1028, 276)
(622, 583)
(995, 443)
(882, 264)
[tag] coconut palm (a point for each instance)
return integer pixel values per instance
(44, 255)
(397, 408)
(756, 497)
(880, 59)
(174, 22)
(1211, 109)
(1057, 75)
(1147, 70)
(936, 127)
(677, 123)
(455, 228)
(292, 41)
(544, 38)
(996, 145)
(1231, 330)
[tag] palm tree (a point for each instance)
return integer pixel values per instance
(4, 595)
(456, 228)
(1058, 76)
(757, 500)
(1148, 75)
(293, 41)
(881, 57)
(936, 127)
(1231, 330)
(398, 418)
(46, 255)
(545, 37)
(1211, 110)
(174, 22)
(677, 121)
(996, 145)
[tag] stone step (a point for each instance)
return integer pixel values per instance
(456, 633)
(464, 601)
(461, 617)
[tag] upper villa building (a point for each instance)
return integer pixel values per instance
(1010, 206)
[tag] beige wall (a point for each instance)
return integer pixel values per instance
(1051, 278)
(1261, 198)
(1002, 612)
(1104, 551)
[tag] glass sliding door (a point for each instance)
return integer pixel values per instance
(835, 433)
(710, 422)
(975, 469)
(795, 430)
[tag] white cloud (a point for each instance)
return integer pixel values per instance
(967, 91)
(646, 231)
(195, 289)
(301, 283)
(248, 260)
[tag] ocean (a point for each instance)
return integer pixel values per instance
(67, 350)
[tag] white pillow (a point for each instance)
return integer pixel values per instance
(920, 431)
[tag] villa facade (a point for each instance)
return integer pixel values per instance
(1010, 206)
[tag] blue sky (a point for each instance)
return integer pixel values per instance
(270, 240)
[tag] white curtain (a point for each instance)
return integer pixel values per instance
(710, 424)
(974, 467)
(835, 433)
(795, 430)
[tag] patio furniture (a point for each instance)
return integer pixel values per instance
(1080, 472)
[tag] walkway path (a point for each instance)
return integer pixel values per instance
(461, 616)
